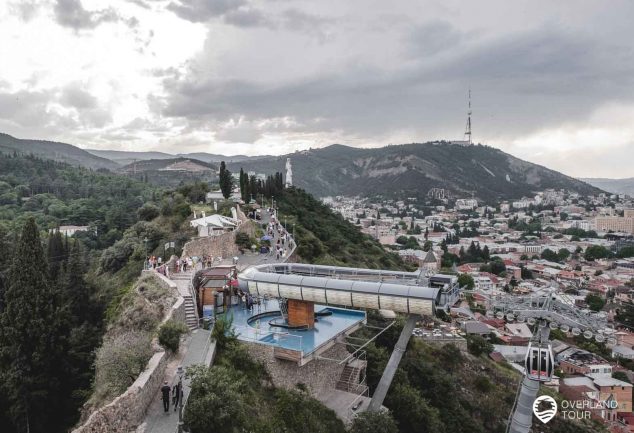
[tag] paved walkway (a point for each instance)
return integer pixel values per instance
(252, 259)
(199, 351)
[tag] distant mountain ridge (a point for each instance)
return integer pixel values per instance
(394, 171)
(414, 169)
(61, 152)
(615, 186)
(127, 157)
(172, 164)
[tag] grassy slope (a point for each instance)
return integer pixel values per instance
(324, 237)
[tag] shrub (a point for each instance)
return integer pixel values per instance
(374, 422)
(169, 335)
(483, 384)
(148, 212)
(478, 345)
(243, 240)
(119, 362)
(223, 332)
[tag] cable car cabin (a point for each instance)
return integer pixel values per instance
(539, 363)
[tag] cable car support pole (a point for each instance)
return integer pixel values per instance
(392, 365)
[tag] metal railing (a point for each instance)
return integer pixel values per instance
(283, 340)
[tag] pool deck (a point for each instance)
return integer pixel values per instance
(307, 342)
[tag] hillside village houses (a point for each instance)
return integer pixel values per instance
(538, 245)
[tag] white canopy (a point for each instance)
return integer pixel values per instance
(215, 221)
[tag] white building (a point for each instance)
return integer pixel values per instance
(466, 204)
(70, 230)
(214, 225)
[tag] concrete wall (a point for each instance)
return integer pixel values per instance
(128, 410)
(318, 375)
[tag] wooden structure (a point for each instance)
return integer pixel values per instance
(216, 284)
(301, 313)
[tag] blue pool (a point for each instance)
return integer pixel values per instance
(307, 341)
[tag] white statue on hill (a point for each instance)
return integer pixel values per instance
(289, 173)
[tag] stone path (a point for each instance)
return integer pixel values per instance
(199, 350)
(250, 259)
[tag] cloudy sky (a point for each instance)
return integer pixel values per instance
(552, 82)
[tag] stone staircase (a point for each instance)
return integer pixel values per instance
(191, 318)
(184, 278)
(349, 380)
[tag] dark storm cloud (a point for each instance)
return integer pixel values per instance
(203, 10)
(537, 78)
(72, 14)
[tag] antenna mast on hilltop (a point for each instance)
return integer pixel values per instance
(467, 132)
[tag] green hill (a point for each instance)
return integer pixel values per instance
(324, 237)
(61, 152)
(413, 169)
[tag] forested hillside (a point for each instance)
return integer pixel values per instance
(411, 170)
(56, 194)
(61, 152)
(58, 294)
(324, 237)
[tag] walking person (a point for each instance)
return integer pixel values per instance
(177, 391)
(165, 391)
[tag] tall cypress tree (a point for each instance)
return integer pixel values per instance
(57, 254)
(32, 339)
(226, 182)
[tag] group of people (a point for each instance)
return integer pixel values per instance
(176, 393)
(183, 264)
(246, 299)
(207, 261)
(153, 262)
(284, 239)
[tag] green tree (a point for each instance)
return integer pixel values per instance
(550, 255)
(413, 413)
(478, 345)
(226, 181)
(563, 254)
(374, 422)
(216, 402)
(148, 212)
(466, 281)
(32, 340)
(595, 302)
(594, 252)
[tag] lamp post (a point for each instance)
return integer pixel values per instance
(181, 397)
(147, 261)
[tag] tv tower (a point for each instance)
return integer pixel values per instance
(467, 133)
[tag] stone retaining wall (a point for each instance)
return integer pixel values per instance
(223, 245)
(128, 410)
(318, 375)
